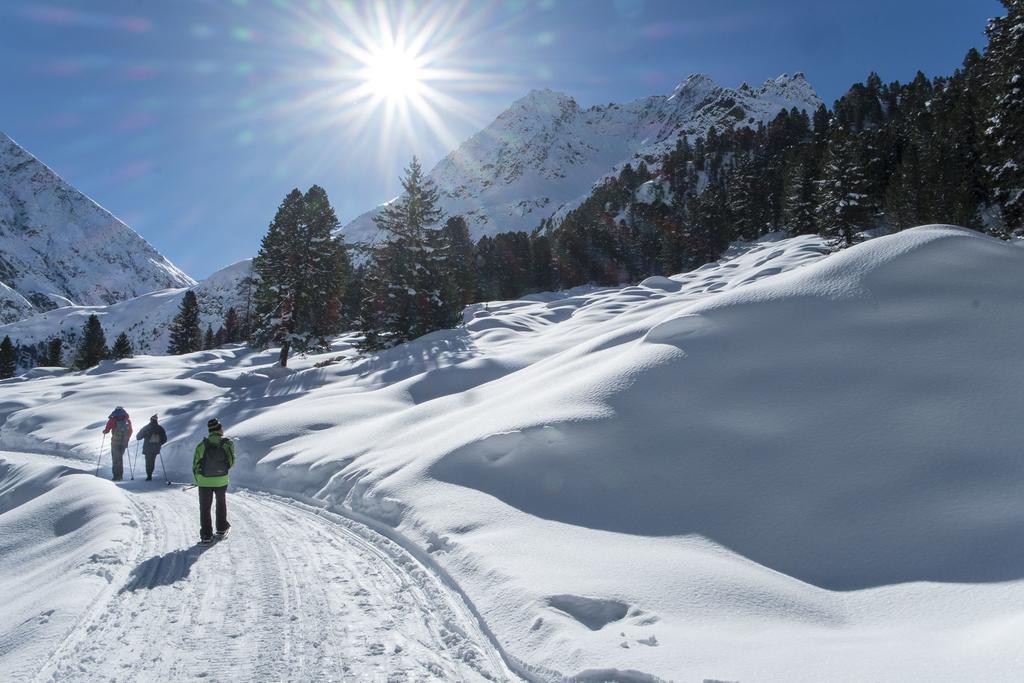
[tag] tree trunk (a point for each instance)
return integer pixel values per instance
(284, 354)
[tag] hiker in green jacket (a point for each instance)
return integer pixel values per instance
(214, 457)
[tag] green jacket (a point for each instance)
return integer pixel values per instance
(201, 449)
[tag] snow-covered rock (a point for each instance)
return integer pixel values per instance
(545, 150)
(58, 247)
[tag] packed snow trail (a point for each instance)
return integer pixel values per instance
(288, 595)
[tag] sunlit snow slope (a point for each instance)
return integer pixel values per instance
(784, 466)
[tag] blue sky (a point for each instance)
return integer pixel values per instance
(192, 119)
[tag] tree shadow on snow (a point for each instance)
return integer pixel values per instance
(164, 570)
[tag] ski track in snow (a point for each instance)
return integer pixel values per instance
(288, 595)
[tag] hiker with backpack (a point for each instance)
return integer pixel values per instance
(153, 437)
(119, 426)
(213, 458)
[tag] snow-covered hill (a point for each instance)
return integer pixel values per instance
(545, 150)
(146, 318)
(786, 466)
(58, 247)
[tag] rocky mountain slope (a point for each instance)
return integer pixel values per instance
(545, 151)
(145, 319)
(58, 247)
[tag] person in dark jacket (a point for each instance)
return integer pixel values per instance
(119, 426)
(214, 456)
(153, 437)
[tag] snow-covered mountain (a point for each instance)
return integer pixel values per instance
(145, 318)
(545, 150)
(58, 247)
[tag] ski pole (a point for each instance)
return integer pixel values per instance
(189, 487)
(103, 441)
(128, 457)
(164, 467)
(136, 462)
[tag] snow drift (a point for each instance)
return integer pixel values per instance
(63, 535)
(784, 466)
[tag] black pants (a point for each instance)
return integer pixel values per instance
(151, 463)
(206, 494)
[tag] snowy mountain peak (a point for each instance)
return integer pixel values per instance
(58, 246)
(695, 83)
(793, 88)
(545, 153)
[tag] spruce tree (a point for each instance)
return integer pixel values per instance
(798, 199)
(459, 264)
(8, 358)
(1004, 59)
(326, 271)
(301, 271)
(186, 335)
(842, 198)
(402, 293)
(54, 352)
(122, 347)
(208, 338)
(230, 327)
(92, 346)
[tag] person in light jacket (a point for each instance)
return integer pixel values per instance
(214, 456)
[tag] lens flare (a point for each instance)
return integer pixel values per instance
(394, 73)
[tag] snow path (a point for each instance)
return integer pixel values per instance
(288, 595)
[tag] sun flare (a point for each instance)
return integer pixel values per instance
(394, 74)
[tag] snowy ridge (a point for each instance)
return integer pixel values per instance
(545, 150)
(787, 465)
(145, 319)
(58, 247)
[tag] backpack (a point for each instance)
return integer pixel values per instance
(121, 425)
(214, 462)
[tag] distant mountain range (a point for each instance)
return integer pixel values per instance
(541, 156)
(545, 152)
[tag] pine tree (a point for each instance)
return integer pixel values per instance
(326, 270)
(208, 338)
(842, 191)
(230, 327)
(220, 338)
(459, 264)
(798, 199)
(122, 347)
(92, 346)
(352, 301)
(1004, 58)
(402, 297)
(301, 271)
(8, 358)
(186, 335)
(54, 352)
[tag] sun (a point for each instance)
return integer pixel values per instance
(395, 74)
(388, 76)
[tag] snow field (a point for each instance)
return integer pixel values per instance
(784, 466)
(288, 595)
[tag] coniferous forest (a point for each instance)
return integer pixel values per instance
(889, 156)
(885, 156)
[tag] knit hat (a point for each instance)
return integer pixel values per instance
(214, 425)
(152, 418)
